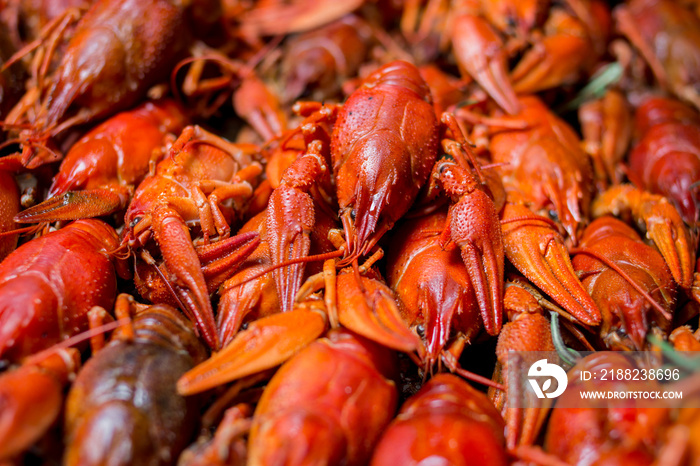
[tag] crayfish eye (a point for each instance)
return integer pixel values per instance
(421, 330)
(445, 166)
(135, 221)
(353, 214)
(553, 215)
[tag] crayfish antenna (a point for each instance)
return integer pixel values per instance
(318, 257)
(54, 30)
(453, 365)
(634, 316)
(146, 256)
(122, 252)
(37, 358)
(96, 329)
(10, 126)
(26, 230)
(193, 87)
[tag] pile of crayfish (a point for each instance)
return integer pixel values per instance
(290, 232)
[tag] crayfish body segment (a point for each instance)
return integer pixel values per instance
(41, 300)
(447, 420)
(383, 147)
(127, 391)
(118, 50)
(335, 416)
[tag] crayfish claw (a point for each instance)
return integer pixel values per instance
(74, 205)
(481, 53)
(369, 309)
(181, 259)
(266, 343)
(538, 251)
(663, 223)
(484, 269)
(673, 240)
(557, 59)
(476, 230)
